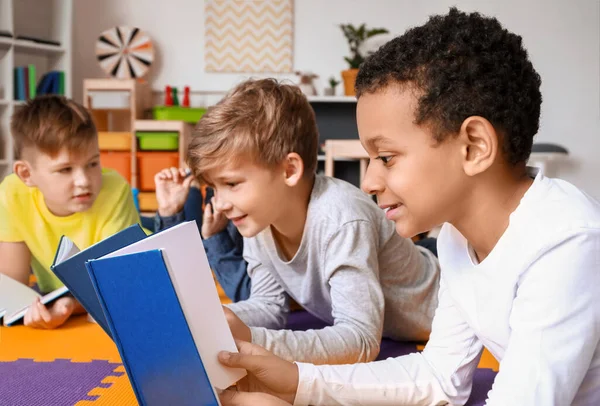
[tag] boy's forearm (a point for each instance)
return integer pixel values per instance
(15, 259)
(258, 313)
(340, 344)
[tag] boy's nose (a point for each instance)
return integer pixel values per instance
(372, 183)
(221, 204)
(81, 179)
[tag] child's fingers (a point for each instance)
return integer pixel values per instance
(188, 181)
(45, 315)
(33, 317)
(208, 214)
(163, 174)
(218, 216)
(175, 174)
(182, 172)
(28, 319)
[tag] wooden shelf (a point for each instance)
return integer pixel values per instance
(34, 48)
(110, 84)
(321, 158)
(6, 42)
(161, 125)
(331, 99)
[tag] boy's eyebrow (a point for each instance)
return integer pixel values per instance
(68, 162)
(373, 143)
(227, 176)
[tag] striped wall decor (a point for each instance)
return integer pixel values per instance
(248, 36)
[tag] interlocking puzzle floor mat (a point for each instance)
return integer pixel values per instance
(78, 364)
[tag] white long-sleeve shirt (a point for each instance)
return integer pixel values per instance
(534, 303)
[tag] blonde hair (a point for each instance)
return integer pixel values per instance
(262, 120)
(51, 123)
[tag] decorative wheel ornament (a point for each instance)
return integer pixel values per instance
(125, 52)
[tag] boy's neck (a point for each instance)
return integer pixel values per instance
(289, 229)
(487, 213)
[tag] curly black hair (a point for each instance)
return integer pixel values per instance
(463, 65)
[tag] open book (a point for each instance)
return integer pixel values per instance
(164, 313)
(69, 267)
(15, 299)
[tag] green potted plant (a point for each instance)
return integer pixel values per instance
(356, 37)
(333, 82)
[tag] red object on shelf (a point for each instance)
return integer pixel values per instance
(168, 96)
(186, 97)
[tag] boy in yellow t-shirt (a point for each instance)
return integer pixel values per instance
(58, 188)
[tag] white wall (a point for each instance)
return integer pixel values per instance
(562, 36)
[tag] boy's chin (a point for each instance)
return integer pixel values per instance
(78, 207)
(407, 230)
(249, 231)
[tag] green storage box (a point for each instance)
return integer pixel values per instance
(158, 141)
(188, 114)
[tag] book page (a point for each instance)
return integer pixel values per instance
(192, 278)
(66, 249)
(14, 295)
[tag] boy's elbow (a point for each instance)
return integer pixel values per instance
(367, 350)
(372, 352)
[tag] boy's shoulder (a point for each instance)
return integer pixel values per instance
(13, 190)
(557, 206)
(337, 201)
(112, 181)
(113, 186)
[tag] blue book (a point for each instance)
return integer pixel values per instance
(150, 330)
(69, 267)
(20, 83)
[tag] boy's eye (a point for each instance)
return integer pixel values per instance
(385, 159)
(231, 184)
(94, 164)
(65, 170)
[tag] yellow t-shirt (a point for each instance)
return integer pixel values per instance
(25, 217)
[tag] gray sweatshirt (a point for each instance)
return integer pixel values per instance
(352, 270)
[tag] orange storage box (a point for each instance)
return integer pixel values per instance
(147, 201)
(150, 163)
(114, 141)
(119, 161)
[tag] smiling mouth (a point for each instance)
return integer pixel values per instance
(395, 206)
(239, 218)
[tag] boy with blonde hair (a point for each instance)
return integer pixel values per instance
(57, 188)
(318, 240)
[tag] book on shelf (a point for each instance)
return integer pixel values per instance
(26, 87)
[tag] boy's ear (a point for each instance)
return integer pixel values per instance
(23, 170)
(294, 169)
(480, 144)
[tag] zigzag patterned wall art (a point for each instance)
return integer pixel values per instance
(248, 36)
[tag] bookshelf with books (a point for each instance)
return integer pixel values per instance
(35, 58)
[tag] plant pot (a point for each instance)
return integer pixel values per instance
(349, 77)
(328, 91)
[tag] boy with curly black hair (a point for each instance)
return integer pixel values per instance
(447, 113)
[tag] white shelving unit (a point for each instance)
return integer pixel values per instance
(332, 99)
(46, 19)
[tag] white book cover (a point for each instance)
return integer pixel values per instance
(194, 284)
